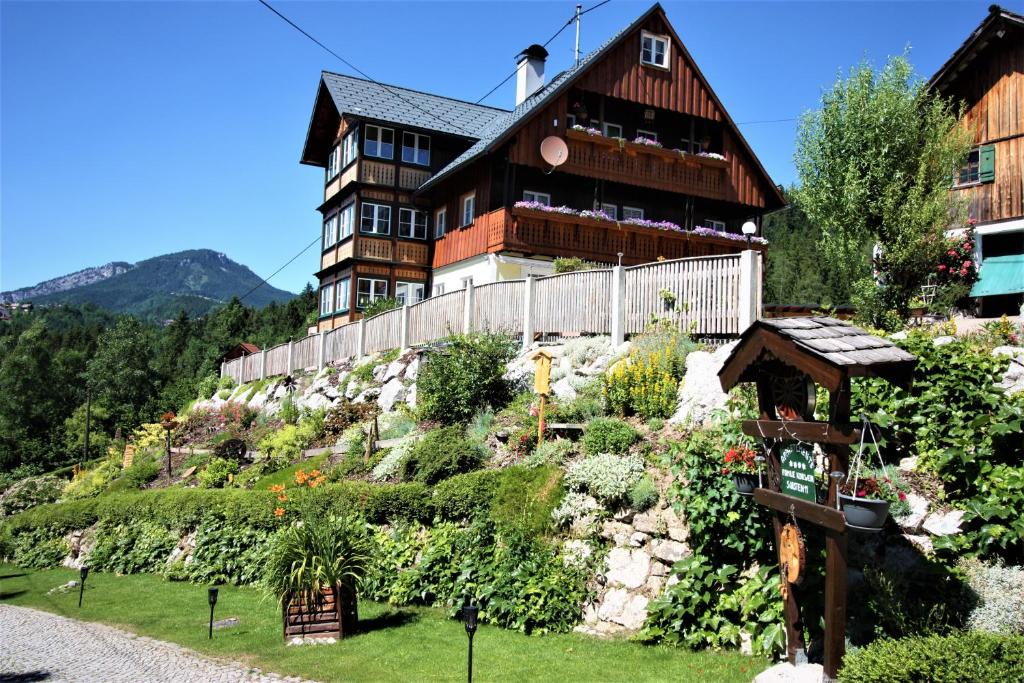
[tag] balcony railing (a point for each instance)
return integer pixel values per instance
(371, 172)
(561, 235)
(597, 156)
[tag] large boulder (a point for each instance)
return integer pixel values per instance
(390, 394)
(701, 392)
(1013, 378)
(627, 568)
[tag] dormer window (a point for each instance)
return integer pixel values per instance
(416, 149)
(654, 49)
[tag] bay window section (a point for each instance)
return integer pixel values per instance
(416, 149)
(342, 291)
(326, 300)
(369, 290)
(346, 219)
(349, 148)
(332, 164)
(330, 230)
(375, 219)
(379, 142)
(412, 224)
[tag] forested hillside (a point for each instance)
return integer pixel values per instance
(134, 370)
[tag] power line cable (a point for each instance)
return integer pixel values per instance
(364, 74)
(548, 42)
(264, 281)
(749, 123)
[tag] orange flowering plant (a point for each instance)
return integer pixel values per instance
(303, 480)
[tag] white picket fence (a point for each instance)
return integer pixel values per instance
(707, 296)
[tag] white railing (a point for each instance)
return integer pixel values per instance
(708, 296)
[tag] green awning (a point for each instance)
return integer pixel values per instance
(1000, 275)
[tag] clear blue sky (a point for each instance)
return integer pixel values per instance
(133, 129)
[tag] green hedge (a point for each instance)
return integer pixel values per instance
(960, 658)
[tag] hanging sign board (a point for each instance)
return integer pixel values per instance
(798, 472)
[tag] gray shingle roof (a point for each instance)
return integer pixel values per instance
(499, 126)
(402, 106)
(838, 342)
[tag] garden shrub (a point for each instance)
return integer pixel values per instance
(967, 657)
(91, 482)
(999, 597)
(342, 416)
(142, 471)
(608, 435)
(465, 376)
(231, 449)
(288, 411)
(224, 394)
(389, 466)
(646, 382)
(228, 552)
(525, 498)
(923, 599)
(607, 477)
(226, 382)
(643, 495)
(378, 306)
(440, 454)
(575, 505)
(466, 495)
(287, 443)
(551, 452)
(132, 547)
(207, 385)
(30, 492)
(39, 548)
(217, 472)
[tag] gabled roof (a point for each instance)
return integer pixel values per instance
(406, 107)
(998, 18)
(502, 127)
(827, 349)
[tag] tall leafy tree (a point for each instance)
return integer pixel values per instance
(121, 372)
(874, 164)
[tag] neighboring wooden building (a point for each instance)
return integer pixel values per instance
(421, 191)
(240, 350)
(986, 74)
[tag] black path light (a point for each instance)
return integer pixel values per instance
(469, 614)
(212, 598)
(83, 573)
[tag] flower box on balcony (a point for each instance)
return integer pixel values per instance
(669, 156)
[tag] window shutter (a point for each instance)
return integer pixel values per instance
(987, 164)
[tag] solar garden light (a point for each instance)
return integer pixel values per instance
(759, 459)
(212, 598)
(837, 477)
(83, 573)
(469, 614)
(749, 229)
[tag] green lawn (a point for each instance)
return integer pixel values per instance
(397, 645)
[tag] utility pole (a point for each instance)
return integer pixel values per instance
(576, 60)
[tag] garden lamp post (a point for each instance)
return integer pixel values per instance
(749, 229)
(168, 422)
(212, 598)
(469, 614)
(837, 477)
(83, 573)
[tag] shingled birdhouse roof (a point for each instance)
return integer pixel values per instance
(826, 349)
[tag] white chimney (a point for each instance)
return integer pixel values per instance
(529, 72)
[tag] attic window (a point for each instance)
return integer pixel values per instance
(654, 49)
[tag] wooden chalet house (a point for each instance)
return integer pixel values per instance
(986, 74)
(425, 193)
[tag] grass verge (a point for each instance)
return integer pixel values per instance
(407, 644)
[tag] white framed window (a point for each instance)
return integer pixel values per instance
(370, 289)
(438, 289)
(467, 282)
(332, 163)
(346, 220)
(375, 219)
(716, 224)
(412, 223)
(440, 223)
(409, 293)
(416, 149)
(654, 49)
(611, 210)
(330, 230)
(539, 197)
(326, 299)
(629, 212)
(342, 289)
(468, 209)
(349, 148)
(613, 130)
(379, 142)
(649, 134)
(570, 120)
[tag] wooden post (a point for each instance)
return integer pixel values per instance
(618, 325)
(528, 312)
(540, 420)
(836, 545)
(750, 288)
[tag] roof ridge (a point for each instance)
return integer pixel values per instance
(413, 90)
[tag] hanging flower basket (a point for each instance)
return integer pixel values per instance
(864, 514)
(745, 483)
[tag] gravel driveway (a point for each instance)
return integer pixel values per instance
(39, 646)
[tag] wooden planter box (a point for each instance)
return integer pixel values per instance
(331, 618)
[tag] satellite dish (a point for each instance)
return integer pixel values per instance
(554, 151)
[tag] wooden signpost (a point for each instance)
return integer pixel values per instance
(787, 358)
(541, 386)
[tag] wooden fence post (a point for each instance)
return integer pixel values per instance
(750, 289)
(618, 311)
(528, 312)
(321, 351)
(223, 368)
(361, 346)
(291, 357)
(403, 329)
(263, 364)
(467, 308)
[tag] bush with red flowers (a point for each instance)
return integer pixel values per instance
(739, 460)
(957, 264)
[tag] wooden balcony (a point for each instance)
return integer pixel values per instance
(596, 156)
(370, 172)
(534, 232)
